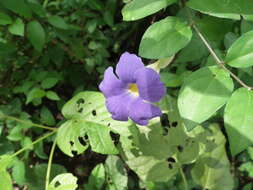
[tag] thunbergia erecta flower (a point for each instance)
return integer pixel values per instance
(133, 91)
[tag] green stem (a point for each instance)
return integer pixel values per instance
(33, 143)
(49, 165)
(184, 179)
(218, 61)
(45, 3)
(28, 123)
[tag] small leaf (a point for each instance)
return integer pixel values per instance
(6, 182)
(204, 92)
(63, 182)
(35, 93)
(138, 9)
(52, 95)
(240, 54)
(238, 118)
(49, 82)
(46, 116)
(58, 22)
(18, 172)
(5, 19)
(170, 34)
(17, 28)
(36, 35)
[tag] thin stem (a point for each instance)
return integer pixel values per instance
(184, 179)
(50, 164)
(212, 52)
(28, 123)
(33, 143)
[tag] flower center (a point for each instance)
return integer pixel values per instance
(133, 88)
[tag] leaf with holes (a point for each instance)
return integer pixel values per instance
(204, 92)
(75, 135)
(90, 106)
(70, 137)
(116, 173)
(170, 34)
(238, 118)
(138, 9)
(63, 182)
(212, 169)
(240, 54)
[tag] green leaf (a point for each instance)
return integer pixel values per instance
(18, 172)
(90, 106)
(138, 9)
(75, 136)
(223, 8)
(6, 49)
(212, 169)
(17, 27)
(49, 82)
(5, 19)
(52, 95)
(97, 178)
(36, 35)
(6, 182)
(58, 22)
(116, 173)
(204, 92)
(63, 182)
(238, 118)
(5, 161)
(240, 54)
(35, 93)
(46, 116)
(170, 35)
(18, 6)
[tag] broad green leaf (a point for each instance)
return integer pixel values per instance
(96, 178)
(212, 169)
(17, 27)
(204, 92)
(75, 136)
(90, 106)
(240, 54)
(223, 8)
(117, 174)
(169, 35)
(36, 35)
(18, 6)
(63, 182)
(138, 9)
(58, 22)
(238, 119)
(5, 19)
(49, 82)
(5, 161)
(35, 93)
(6, 182)
(46, 116)
(70, 137)
(52, 95)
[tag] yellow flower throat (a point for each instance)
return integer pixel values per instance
(133, 88)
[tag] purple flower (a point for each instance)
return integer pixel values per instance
(133, 91)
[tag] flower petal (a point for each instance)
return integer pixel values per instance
(127, 65)
(149, 84)
(111, 85)
(118, 106)
(140, 112)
